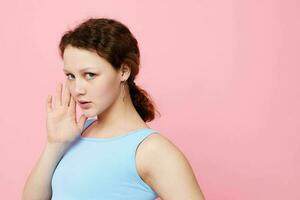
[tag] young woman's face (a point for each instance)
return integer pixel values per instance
(90, 78)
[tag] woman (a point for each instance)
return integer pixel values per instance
(117, 155)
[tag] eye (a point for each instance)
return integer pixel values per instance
(67, 75)
(91, 75)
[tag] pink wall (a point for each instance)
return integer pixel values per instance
(224, 74)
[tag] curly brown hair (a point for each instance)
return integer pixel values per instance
(114, 42)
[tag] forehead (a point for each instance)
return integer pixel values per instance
(76, 59)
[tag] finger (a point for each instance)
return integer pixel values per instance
(66, 96)
(72, 107)
(58, 94)
(49, 103)
(81, 121)
(56, 97)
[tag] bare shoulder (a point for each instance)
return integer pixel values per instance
(157, 142)
(155, 147)
(165, 168)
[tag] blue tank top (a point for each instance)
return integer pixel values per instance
(101, 168)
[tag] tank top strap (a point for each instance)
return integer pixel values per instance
(133, 142)
(142, 135)
(88, 122)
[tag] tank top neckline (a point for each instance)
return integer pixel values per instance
(110, 138)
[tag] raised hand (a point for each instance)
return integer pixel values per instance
(62, 126)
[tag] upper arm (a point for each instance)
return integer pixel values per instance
(168, 171)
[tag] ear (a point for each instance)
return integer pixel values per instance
(124, 72)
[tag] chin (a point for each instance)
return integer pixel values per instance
(92, 112)
(87, 113)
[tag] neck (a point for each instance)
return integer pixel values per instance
(119, 116)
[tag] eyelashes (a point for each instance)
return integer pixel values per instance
(91, 75)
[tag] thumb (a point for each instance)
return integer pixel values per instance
(81, 121)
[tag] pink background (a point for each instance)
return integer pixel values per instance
(224, 75)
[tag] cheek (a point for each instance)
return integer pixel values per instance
(72, 92)
(107, 91)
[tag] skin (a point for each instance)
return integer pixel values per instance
(159, 162)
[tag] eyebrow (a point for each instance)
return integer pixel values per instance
(65, 70)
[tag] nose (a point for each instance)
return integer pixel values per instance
(79, 88)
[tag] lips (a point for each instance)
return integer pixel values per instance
(84, 102)
(85, 105)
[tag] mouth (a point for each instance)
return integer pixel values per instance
(84, 105)
(82, 102)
